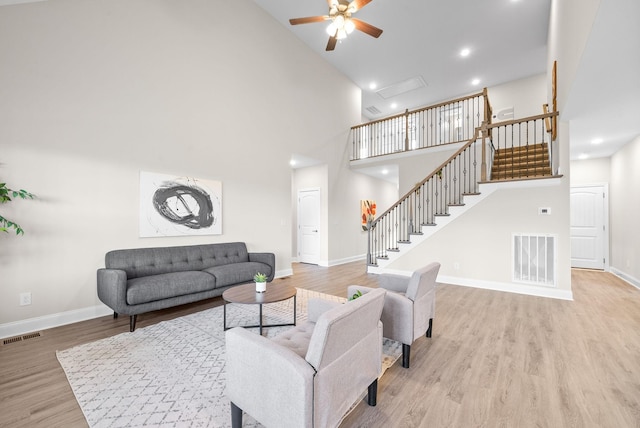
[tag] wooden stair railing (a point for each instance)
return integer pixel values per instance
(446, 186)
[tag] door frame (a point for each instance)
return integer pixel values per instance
(605, 218)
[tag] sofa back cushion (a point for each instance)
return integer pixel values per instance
(139, 262)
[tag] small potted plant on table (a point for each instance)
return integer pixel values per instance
(261, 282)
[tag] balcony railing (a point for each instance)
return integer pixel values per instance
(449, 122)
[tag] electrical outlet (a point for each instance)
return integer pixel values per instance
(456, 265)
(25, 299)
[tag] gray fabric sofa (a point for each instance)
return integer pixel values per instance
(140, 280)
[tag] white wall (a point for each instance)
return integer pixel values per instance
(526, 96)
(476, 249)
(95, 92)
(625, 206)
(591, 171)
(569, 27)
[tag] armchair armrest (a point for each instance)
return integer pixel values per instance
(397, 315)
(112, 289)
(353, 289)
(317, 307)
(397, 283)
(270, 382)
(266, 258)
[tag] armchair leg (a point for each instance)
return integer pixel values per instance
(430, 327)
(372, 394)
(115, 315)
(132, 322)
(406, 354)
(236, 416)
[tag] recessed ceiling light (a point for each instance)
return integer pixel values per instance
(385, 171)
(475, 82)
(465, 52)
(394, 105)
(373, 85)
(583, 156)
(292, 162)
(597, 141)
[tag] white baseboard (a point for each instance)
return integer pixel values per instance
(284, 272)
(529, 290)
(63, 318)
(30, 325)
(346, 260)
(621, 274)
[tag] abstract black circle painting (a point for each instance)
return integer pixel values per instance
(176, 206)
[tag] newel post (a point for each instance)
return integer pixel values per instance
(406, 130)
(483, 167)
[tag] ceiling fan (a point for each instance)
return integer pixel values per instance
(342, 23)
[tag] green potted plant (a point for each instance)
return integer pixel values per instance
(355, 295)
(261, 282)
(5, 196)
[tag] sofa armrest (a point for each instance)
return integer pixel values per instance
(266, 258)
(317, 307)
(268, 381)
(112, 289)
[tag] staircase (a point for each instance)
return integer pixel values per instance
(530, 161)
(491, 155)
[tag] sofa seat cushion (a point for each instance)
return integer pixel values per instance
(167, 285)
(296, 339)
(237, 273)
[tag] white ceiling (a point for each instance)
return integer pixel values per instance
(507, 40)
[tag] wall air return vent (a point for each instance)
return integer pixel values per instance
(534, 259)
(373, 110)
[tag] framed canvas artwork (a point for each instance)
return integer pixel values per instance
(179, 206)
(368, 212)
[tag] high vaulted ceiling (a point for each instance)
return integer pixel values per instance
(507, 40)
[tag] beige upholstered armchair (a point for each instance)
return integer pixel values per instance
(409, 307)
(310, 375)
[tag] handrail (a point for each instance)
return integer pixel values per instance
(442, 104)
(476, 136)
(447, 122)
(443, 187)
(526, 119)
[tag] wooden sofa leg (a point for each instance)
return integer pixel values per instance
(236, 416)
(115, 315)
(372, 393)
(430, 327)
(406, 354)
(132, 322)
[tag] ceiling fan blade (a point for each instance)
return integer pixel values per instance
(331, 45)
(358, 4)
(367, 28)
(308, 20)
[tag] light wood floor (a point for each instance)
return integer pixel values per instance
(495, 359)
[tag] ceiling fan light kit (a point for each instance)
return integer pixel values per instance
(342, 23)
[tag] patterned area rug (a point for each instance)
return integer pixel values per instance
(172, 374)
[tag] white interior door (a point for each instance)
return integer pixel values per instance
(588, 228)
(309, 226)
